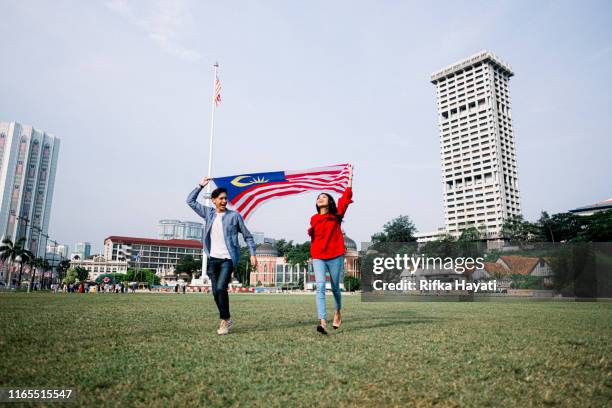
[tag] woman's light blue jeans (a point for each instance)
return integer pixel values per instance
(334, 267)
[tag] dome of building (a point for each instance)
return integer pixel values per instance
(266, 249)
(349, 243)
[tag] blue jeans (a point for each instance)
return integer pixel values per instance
(334, 267)
(220, 272)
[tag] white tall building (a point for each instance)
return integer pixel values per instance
(477, 144)
(28, 161)
(61, 250)
(176, 229)
(82, 249)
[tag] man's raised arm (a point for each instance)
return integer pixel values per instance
(192, 199)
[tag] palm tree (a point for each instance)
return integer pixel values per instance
(62, 267)
(36, 263)
(12, 251)
(44, 265)
(8, 253)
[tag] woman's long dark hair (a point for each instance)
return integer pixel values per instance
(331, 207)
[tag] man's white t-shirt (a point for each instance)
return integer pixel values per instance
(218, 248)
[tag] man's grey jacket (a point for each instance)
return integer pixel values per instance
(232, 225)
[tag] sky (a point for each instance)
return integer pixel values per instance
(127, 87)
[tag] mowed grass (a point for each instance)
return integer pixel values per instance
(162, 350)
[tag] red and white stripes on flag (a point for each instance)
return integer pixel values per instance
(217, 96)
(331, 178)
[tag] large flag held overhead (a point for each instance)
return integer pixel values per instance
(246, 192)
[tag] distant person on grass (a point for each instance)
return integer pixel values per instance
(327, 249)
(221, 245)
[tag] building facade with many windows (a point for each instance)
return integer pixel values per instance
(28, 162)
(478, 153)
(98, 265)
(153, 254)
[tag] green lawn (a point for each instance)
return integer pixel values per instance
(162, 350)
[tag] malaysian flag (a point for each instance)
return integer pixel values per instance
(217, 96)
(246, 192)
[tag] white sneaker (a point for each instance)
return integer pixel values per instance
(229, 323)
(223, 329)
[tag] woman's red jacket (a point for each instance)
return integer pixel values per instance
(326, 239)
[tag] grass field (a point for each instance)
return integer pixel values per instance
(162, 350)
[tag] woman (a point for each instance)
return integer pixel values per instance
(327, 249)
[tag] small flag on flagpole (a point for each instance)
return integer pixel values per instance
(217, 92)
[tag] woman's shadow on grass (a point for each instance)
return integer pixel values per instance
(349, 323)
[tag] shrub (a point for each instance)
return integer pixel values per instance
(352, 283)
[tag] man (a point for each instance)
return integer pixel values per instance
(221, 245)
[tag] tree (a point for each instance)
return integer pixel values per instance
(187, 264)
(70, 277)
(62, 267)
(243, 267)
(45, 267)
(565, 226)
(352, 283)
(574, 270)
(445, 246)
(545, 225)
(568, 227)
(7, 253)
(517, 230)
(299, 254)
(470, 243)
(81, 273)
(400, 229)
(283, 246)
(12, 251)
(35, 264)
(142, 275)
(17, 253)
(470, 234)
(598, 227)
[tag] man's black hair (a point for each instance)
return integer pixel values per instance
(217, 191)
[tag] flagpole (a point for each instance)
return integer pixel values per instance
(210, 150)
(212, 129)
